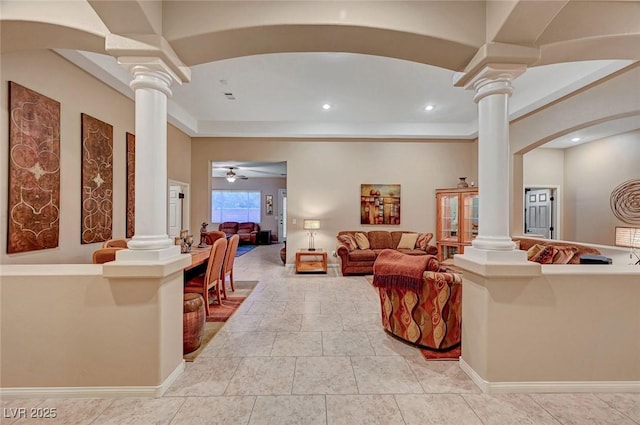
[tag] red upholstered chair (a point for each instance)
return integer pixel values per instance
(213, 236)
(227, 265)
(435, 311)
(211, 279)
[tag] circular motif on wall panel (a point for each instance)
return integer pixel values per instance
(625, 202)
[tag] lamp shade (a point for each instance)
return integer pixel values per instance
(311, 224)
(628, 236)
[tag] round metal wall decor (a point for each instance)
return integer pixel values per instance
(625, 202)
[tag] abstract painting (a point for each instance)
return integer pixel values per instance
(380, 204)
(131, 184)
(97, 180)
(34, 171)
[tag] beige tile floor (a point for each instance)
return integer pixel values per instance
(309, 349)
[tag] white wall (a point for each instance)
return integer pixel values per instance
(324, 178)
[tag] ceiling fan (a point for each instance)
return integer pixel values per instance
(231, 176)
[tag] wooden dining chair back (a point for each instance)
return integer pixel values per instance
(227, 266)
(211, 278)
(115, 243)
(104, 255)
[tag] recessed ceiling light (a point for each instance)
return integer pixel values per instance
(575, 139)
(326, 106)
(429, 108)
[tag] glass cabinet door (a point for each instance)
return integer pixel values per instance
(448, 218)
(447, 251)
(470, 214)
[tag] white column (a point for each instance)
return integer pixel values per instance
(493, 88)
(151, 82)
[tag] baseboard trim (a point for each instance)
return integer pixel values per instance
(93, 392)
(549, 386)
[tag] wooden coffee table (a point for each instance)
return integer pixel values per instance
(311, 261)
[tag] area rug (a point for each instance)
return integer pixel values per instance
(453, 354)
(243, 249)
(220, 314)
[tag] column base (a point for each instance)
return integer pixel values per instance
(496, 263)
(142, 243)
(492, 256)
(494, 243)
(155, 255)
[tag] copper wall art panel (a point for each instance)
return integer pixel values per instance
(131, 184)
(34, 171)
(380, 204)
(97, 180)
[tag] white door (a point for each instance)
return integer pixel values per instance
(282, 211)
(175, 210)
(539, 212)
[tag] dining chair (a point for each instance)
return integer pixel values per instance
(227, 266)
(211, 279)
(104, 255)
(115, 243)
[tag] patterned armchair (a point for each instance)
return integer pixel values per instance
(429, 317)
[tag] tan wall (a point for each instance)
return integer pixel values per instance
(536, 330)
(324, 178)
(545, 168)
(68, 326)
(178, 155)
(78, 92)
(592, 171)
(586, 175)
(266, 186)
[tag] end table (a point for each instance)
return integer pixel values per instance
(311, 261)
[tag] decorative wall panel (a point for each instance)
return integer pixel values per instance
(34, 171)
(131, 184)
(380, 204)
(97, 180)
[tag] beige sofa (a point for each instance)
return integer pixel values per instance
(357, 261)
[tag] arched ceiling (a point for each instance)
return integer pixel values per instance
(379, 63)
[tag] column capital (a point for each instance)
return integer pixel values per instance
(494, 79)
(149, 72)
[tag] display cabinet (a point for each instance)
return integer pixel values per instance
(457, 220)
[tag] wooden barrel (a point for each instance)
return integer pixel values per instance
(192, 322)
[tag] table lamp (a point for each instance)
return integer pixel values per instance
(630, 238)
(311, 225)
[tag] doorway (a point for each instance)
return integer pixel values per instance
(541, 212)
(178, 209)
(282, 219)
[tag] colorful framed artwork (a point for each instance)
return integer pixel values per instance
(131, 184)
(380, 204)
(34, 171)
(97, 180)
(269, 204)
